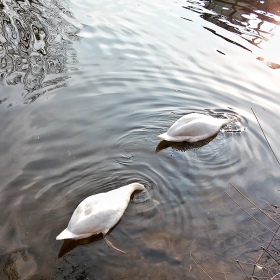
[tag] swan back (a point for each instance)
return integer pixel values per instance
(184, 120)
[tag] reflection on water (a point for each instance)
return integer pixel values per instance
(254, 21)
(182, 146)
(35, 43)
(69, 245)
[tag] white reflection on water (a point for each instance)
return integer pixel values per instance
(270, 49)
(36, 45)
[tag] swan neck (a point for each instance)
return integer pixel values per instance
(136, 187)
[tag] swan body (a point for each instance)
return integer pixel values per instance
(193, 127)
(99, 213)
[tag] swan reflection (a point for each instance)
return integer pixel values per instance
(183, 146)
(70, 244)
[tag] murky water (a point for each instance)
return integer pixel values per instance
(87, 86)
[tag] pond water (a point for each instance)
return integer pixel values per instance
(86, 87)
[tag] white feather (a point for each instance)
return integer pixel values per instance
(99, 213)
(193, 127)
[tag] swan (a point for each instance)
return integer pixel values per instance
(99, 213)
(193, 127)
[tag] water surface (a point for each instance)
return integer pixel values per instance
(85, 90)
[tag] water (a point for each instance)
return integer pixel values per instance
(87, 87)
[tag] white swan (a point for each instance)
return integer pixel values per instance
(99, 213)
(193, 127)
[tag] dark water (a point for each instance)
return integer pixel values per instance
(86, 87)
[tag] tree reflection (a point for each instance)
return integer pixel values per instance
(35, 41)
(254, 21)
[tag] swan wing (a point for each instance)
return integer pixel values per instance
(184, 120)
(99, 217)
(88, 203)
(196, 130)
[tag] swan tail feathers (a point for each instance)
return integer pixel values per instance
(169, 138)
(163, 136)
(66, 234)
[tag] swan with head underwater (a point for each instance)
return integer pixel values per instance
(99, 213)
(193, 127)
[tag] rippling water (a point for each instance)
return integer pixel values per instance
(86, 87)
